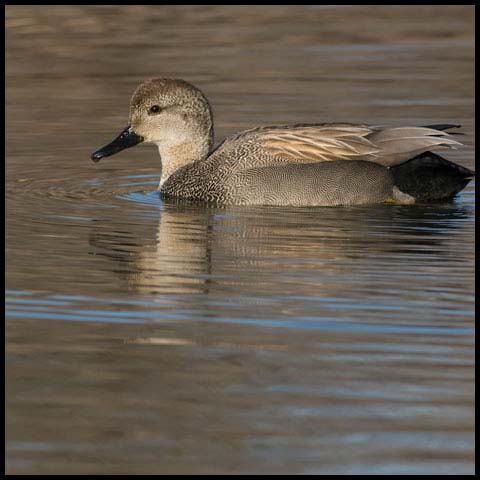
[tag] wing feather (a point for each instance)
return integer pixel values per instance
(305, 143)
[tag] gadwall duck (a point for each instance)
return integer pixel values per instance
(303, 164)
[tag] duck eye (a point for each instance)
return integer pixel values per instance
(154, 109)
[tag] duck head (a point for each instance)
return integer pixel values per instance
(174, 115)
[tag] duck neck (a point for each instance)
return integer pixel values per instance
(182, 151)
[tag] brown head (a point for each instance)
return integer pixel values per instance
(174, 115)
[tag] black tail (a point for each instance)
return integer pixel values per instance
(445, 126)
(429, 177)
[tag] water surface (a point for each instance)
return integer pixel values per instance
(146, 336)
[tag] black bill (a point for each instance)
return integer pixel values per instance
(127, 138)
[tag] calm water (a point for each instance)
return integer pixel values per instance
(152, 337)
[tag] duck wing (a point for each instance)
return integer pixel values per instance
(311, 143)
(400, 144)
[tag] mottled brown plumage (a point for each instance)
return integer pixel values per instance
(305, 164)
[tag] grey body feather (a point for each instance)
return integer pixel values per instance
(324, 164)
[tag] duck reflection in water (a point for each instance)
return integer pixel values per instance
(197, 247)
